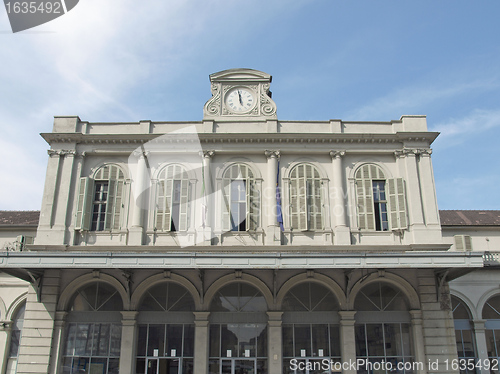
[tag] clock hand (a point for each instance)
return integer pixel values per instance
(239, 97)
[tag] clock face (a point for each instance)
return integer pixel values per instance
(240, 100)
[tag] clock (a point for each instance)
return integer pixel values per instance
(240, 100)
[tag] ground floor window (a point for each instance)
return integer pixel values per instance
(384, 342)
(165, 349)
(310, 348)
(92, 348)
(238, 348)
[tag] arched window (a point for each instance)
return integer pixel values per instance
(381, 202)
(463, 331)
(15, 338)
(306, 198)
(100, 200)
(382, 326)
(310, 327)
(240, 199)
(238, 330)
(172, 208)
(491, 313)
(93, 335)
(165, 339)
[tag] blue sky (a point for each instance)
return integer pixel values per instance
(123, 60)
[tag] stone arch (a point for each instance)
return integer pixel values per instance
(11, 312)
(88, 278)
(244, 278)
(3, 309)
(186, 166)
(354, 169)
(239, 161)
(322, 172)
(316, 278)
(484, 298)
(102, 164)
(160, 278)
(467, 302)
(390, 278)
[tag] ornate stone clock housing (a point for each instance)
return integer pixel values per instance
(240, 94)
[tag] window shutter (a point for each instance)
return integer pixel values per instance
(160, 205)
(463, 242)
(226, 222)
(397, 203)
(110, 205)
(302, 198)
(118, 204)
(84, 204)
(252, 218)
(183, 214)
(314, 204)
(366, 216)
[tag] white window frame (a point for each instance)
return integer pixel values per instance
(168, 211)
(306, 198)
(366, 177)
(113, 219)
(230, 221)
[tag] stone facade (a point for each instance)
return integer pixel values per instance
(237, 243)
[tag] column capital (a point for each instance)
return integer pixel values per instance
(272, 154)
(6, 325)
(61, 316)
(424, 152)
(201, 316)
(129, 315)
(140, 153)
(416, 316)
(337, 154)
(274, 315)
(208, 154)
(347, 317)
(479, 324)
(61, 152)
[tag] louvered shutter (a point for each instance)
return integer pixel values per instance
(183, 213)
(301, 198)
(84, 204)
(160, 205)
(366, 216)
(463, 243)
(110, 205)
(118, 204)
(252, 219)
(226, 222)
(397, 203)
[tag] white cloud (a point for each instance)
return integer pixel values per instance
(407, 100)
(460, 129)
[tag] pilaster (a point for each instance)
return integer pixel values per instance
(407, 160)
(207, 206)
(418, 338)
(348, 338)
(274, 342)
(201, 339)
(431, 213)
(38, 329)
(57, 342)
(5, 335)
(128, 343)
(136, 232)
(482, 348)
(338, 210)
(270, 219)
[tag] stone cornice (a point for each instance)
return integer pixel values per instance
(270, 258)
(250, 138)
